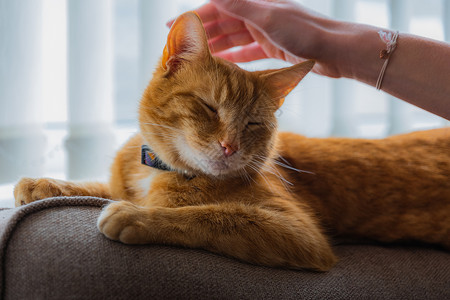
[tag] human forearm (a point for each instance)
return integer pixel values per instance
(419, 73)
(418, 70)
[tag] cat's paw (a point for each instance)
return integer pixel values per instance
(28, 190)
(125, 222)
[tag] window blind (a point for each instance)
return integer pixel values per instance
(72, 73)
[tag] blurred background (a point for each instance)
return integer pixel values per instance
(72, 73)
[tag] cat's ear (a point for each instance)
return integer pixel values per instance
(281, 82)
(186, 41)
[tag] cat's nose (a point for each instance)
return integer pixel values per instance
(228, 148)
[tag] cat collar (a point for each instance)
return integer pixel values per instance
(149, 158)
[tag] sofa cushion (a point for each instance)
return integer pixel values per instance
(52, 249)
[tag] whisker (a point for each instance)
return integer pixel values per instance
(292, 168)
(244, 175)
(256, 166)
(287, 165)
(261, 174)
(162, 134)
(164, 126)
(274, 171)
(285, 160)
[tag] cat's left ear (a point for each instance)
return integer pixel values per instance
(186, 41)
(281, 82)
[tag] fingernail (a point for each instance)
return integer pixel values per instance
(169, 23)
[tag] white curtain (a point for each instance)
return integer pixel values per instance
(72, 72)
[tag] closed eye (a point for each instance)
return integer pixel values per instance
(254, 123)
(210, 107)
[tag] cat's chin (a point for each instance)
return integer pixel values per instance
(215, 168)
(218, 168)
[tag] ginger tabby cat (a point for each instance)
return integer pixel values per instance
(225, 181)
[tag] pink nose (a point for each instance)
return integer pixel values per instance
(228, 148)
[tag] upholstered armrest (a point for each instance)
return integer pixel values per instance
(51, 249)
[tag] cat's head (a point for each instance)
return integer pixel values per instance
(202, 114)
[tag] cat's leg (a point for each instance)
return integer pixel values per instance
(28, 190)
(249, 233)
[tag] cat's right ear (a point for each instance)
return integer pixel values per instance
(281, 82)
(186, 41)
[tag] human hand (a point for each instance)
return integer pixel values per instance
(268, 29)
(286, 30)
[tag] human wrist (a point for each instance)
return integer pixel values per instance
(357, 52)
(330, 49)
(327, 42)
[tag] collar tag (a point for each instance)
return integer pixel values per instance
(149, 158)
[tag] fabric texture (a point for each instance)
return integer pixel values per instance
(52, 249)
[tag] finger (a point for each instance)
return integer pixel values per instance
(249, 11)
(170, 22)
(223, 27)
(246, 53)
(207, 12)
(225, 42)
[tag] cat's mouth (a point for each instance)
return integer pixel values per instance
(208, 161)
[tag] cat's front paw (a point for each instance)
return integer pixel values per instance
(123, 221)
(28, 190)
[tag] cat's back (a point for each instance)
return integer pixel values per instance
(421, 147)
(418, 160)
(360, 183)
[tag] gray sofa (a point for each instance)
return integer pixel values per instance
(51, 249)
